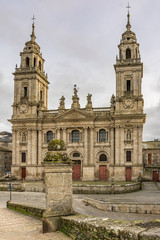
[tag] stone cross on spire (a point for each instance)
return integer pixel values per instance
(33, 37)
(128, 26)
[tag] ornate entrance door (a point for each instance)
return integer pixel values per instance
(23, 173)
(156, 176)
(128, 174)
(76, 170)
(102, 172)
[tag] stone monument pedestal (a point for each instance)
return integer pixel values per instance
(58, 184)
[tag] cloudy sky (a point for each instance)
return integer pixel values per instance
(78, 40)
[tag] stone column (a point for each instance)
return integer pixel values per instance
(85, 147)
(65, 135)
(58, 133)
(58, 183)
(91, 160)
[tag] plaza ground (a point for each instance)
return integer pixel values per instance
(16, 226)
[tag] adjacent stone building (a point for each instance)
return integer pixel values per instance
(5, 161)
(102, 142)
(151, 160)
(5, 153)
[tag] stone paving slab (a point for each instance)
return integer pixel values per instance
(16, 226)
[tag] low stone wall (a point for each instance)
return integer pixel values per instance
(16, 186)
(26, 209)
(23, 186)
(106, 189)
(86, 228)
(38, 186)
(148, 208)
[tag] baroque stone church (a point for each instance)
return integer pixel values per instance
(102, 142)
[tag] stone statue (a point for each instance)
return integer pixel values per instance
(128, 135)
(62, 103)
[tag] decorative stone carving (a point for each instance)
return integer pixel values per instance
(128, 103)
(23, 108)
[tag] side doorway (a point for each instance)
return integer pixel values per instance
(128, 174)
(155, 176)
(23, 173)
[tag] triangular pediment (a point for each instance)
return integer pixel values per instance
(73, 114)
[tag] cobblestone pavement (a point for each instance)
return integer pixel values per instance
(16, 226)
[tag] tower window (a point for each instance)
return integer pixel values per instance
(25, 92)
(41, 95)
(27, 61)
(49, 136)
(34, 62)
(128, 53)
(128, 156)
(102, 158)
(39, 65)
(75, 136)
(23, 157)
(128, 85)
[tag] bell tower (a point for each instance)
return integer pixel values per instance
(30, 82)
(128, 115)
(129, 73)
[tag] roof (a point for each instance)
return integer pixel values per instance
(5, 136)
(5, 149)
(151, 145)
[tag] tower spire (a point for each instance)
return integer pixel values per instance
(33, 37)
(128, 26)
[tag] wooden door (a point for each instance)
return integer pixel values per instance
(156, 176)
(76, 172)
(128, 174)
(102, 172)
(23, 173)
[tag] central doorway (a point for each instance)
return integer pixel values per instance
(76, 170)
(102, 172)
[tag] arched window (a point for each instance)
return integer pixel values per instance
(34, 62)
(27, 61)
(75, 136)
(128, 53)
(76, 154)
(102, 158)
(102, 135)
(39, 65)
(49, 136)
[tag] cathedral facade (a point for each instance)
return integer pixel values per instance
(103, 143)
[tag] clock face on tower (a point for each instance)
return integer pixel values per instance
(23, 108)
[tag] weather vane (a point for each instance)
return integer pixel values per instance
(33, 18)
(128, 7)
